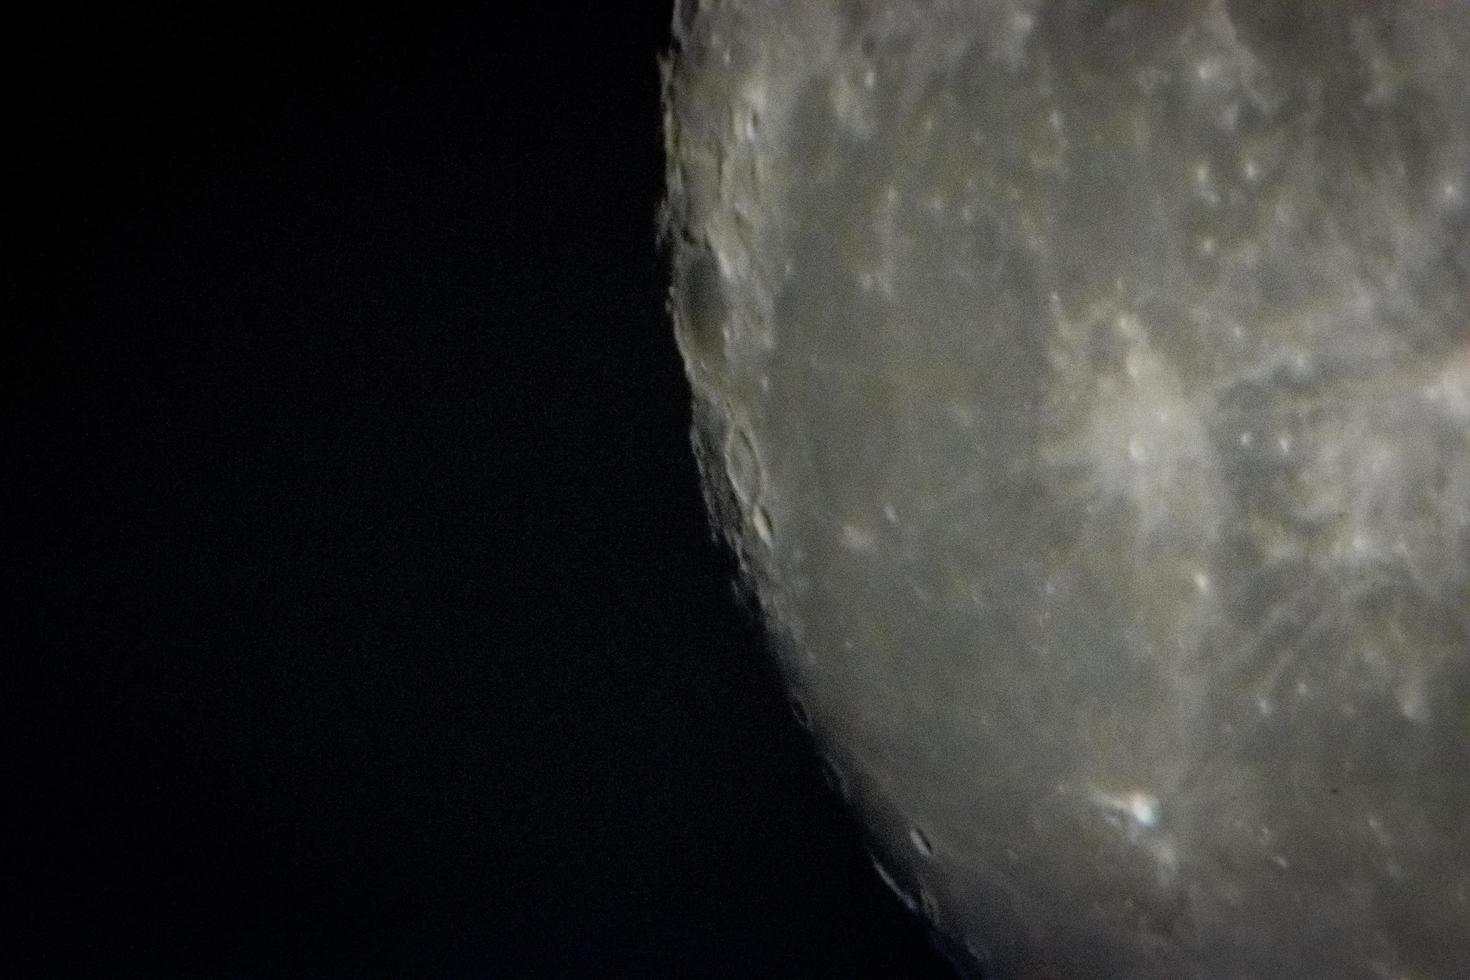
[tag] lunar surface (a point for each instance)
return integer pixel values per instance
(1085, 388)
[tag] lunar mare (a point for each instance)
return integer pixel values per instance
(1085, 388)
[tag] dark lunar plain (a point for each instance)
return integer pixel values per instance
(365, 615)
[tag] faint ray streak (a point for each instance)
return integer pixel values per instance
(1210, 761)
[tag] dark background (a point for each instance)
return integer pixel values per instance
(369, 620)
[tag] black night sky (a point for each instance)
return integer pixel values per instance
(369, 620)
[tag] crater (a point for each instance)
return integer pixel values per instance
(701, 307)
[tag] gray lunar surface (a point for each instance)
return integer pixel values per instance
(1085, 387)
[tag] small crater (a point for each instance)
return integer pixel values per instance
(760, 519)
(1144, 809)
(929, 905)
(977, 952)
(702, 308)
(893, 885)
(1140, 807)
(800, 711)
(857, 538)
(833, 777)
(750, 124)
(743, 465)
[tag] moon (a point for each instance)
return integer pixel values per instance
(1085, 388)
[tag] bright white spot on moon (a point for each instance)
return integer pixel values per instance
(1144, 808)
(1141, 806)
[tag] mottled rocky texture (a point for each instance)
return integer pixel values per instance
(1086, 388)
